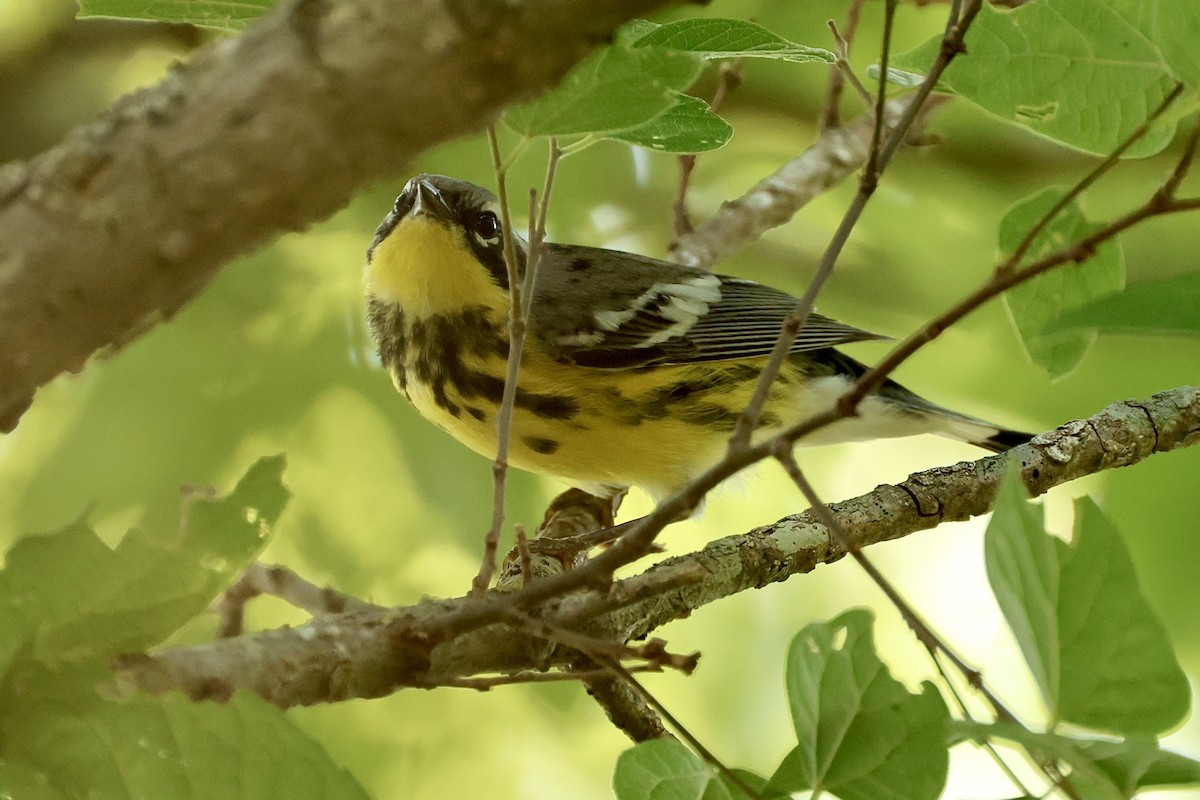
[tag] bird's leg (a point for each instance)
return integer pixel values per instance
(574, 523)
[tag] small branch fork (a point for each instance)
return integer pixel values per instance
(837, 77)
(263, 579)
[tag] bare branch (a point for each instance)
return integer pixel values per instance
(834, 156)
(625, 707)
(281, 582)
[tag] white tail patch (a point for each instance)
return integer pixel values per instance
(880, 418)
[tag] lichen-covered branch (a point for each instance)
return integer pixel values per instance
(371, 653)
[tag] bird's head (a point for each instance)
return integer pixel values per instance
(441, 247)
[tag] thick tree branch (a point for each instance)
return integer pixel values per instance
(371, 653)
(257, 134)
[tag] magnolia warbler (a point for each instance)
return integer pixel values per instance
(634, 370)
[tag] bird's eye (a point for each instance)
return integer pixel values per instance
(487, 226)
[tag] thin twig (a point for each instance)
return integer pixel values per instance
(832, 157)
(525, 556)
(276, 581)
(876, 161)
(930, 640)
(966, 714)
(653, 651)
(729, 77)
(1161, 203)
(681, 730)
(520, 298)
(491, 540)
(952, 44)
(537, 225)
(845, 71)
(833, 94)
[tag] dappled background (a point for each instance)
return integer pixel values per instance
(274, 357)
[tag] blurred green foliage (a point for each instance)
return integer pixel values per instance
(274, 357)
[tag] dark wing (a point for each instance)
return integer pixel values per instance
(607, 309)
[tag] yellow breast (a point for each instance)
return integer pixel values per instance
(426, 268)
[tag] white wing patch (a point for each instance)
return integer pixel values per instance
(613, 320)
(681, 304)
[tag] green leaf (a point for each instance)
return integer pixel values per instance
(1099, 769)
(41, 583)
(20, 781)
(614, 89)
(689, 126)
(1044, 746)
(756, 782)
(173, 747)
(67, 597)
(1037, 304)
(1119, 670)
(664, 769)
(223, 15)
(861, 734)
(1023, 571)
(1163, 307)
(1084, 74)
(729, 38)
(1141, 764)
(1176, 26)
(1098, 653)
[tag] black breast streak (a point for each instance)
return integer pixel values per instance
(491, 387)
(692, 399)
(625, 410)
(540, 445)
(443, 342)
(710, 415)
(388, 328)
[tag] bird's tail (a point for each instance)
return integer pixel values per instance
(940, 420)
(954, 425)
(1003, 439)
